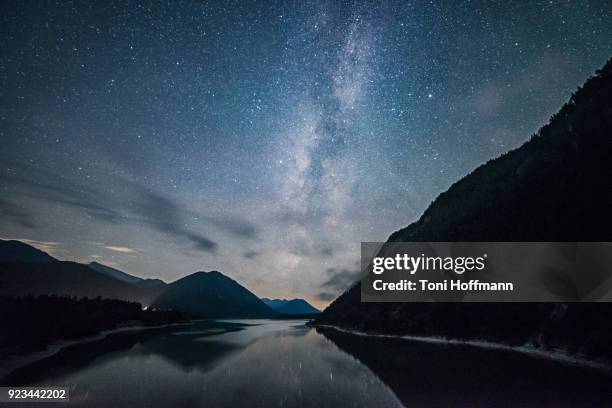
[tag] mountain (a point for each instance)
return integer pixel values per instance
(291, 306)
(25, 270)
(212, 294)
(66, 278)
(17, 251)
(150, 283)
(201, 294)
(297, 307)
(555, 187)
(125, 277)
(275, 303)
(115, 273)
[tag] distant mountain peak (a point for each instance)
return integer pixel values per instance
(291, 306)
(115, 273)
(124, 276)
(212, 294)
(208, 273)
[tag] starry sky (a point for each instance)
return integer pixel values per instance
(266, 139)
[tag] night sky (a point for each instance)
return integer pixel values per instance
(268, 139)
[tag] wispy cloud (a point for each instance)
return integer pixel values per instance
(121, 249)
(137, 205)
(251, 254)
(326, 296)
(16, 214)
(338, 281)
(165, 215)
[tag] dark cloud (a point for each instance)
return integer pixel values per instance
(40, 184)
(339, 280)
(165, 215)
(307, 249)
(135, 204)
(251, 254)
(143, 207)
(201, 242)
(234, 226)
(327, 251)
(16, 214)
(326, 296)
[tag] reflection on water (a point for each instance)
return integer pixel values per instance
(267, 363)
(427, 374)
(280, 363)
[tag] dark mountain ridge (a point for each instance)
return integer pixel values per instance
(275, 303)
(115, 273)
(291, 306)
(17, 251)
(125, 277)
(201, 294)
(68, 279)
(555, 187)
(212, 294)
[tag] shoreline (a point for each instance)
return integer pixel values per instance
(14, 362)
(553, 355)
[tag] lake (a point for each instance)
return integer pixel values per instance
(272, 363)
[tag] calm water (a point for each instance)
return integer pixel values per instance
(284, 363)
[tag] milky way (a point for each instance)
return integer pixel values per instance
(266, 139)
